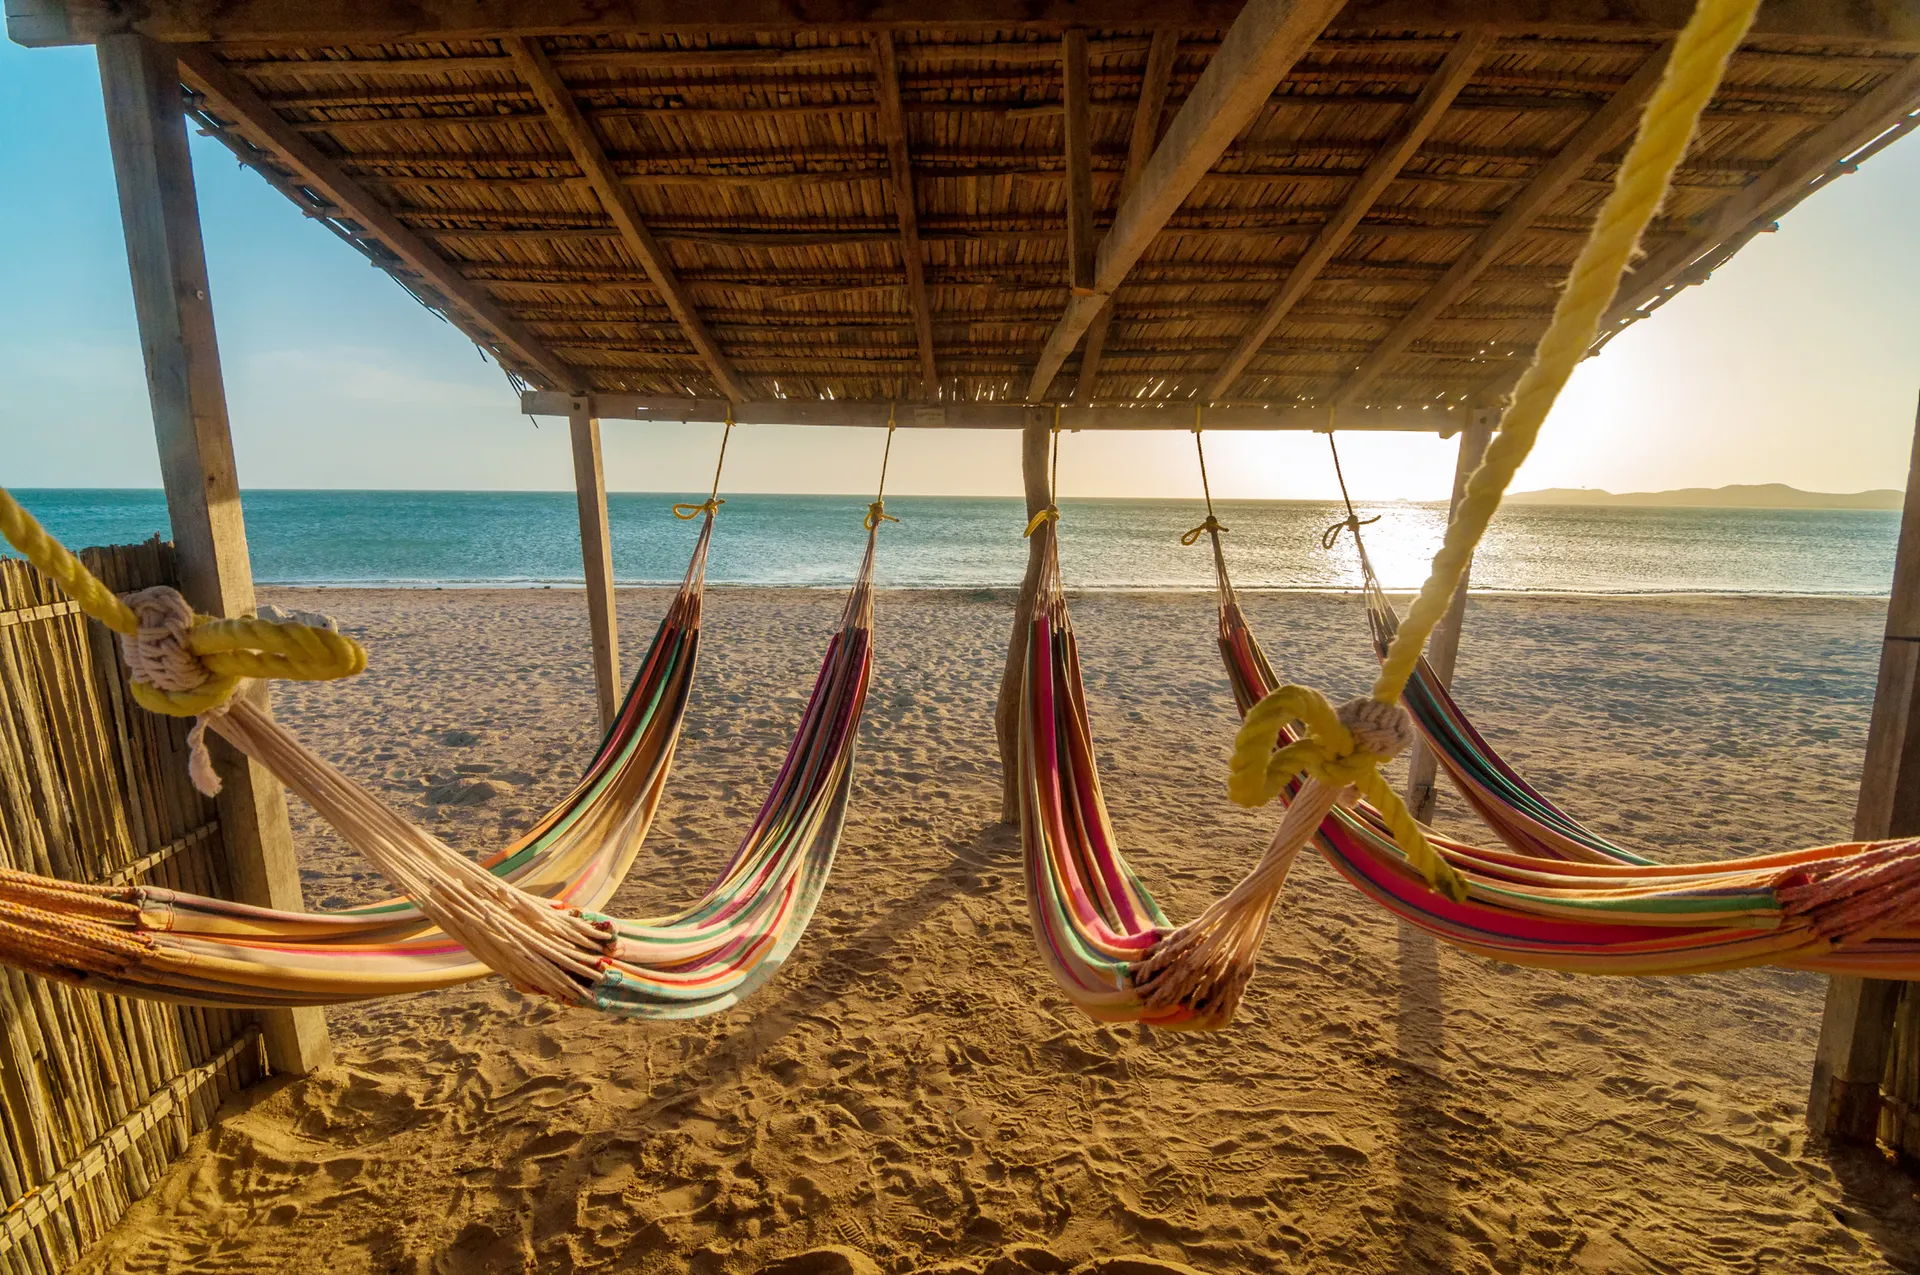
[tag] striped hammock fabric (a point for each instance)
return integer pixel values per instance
(1584, 906)
(1565, 898)
(167, 945)
(1503, 799)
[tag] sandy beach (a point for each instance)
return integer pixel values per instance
(912, 1095)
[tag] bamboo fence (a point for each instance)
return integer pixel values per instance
(98, 1093)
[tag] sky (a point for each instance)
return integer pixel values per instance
(1798, 363)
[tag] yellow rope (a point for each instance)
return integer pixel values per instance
(1325, 751)
(230, 649)
(877, 511)
(1692, 75)
(711, 505)
(24, 532)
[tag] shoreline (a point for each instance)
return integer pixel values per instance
(1123, 590)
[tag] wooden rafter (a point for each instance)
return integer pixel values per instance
(1445, 85)
(1155, 82)
(284, 22)
(893, 122)
(1602, 130)
(1077, 135)
(474, 311)
(1778, 187)
(563, 114)
(1260, 48)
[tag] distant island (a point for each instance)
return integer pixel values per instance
(1739, 496)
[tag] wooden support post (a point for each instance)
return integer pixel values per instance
(596, 555)
(1444, 647)
(1850, 1064)
(161, 219)
(1035, 440)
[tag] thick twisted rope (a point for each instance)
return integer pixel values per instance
(184, 664)
(1692, 75)
(1324, 755)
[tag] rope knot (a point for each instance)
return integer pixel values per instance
(1211, 527)
(169, 677)
(1382, 730)
(1339, 748)
(160, 651)
(1351, 523)
(1050, 514)
(687, 512)
(877, 514)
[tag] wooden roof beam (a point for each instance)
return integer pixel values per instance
(893, 122)
(1444, 420)
(1892, 106)
(475, 312)
(1604, 129)
(1886, 23)
(1445, 85)
(1076, 96)
(1259, 49)
(1155, 83)
(563, 114)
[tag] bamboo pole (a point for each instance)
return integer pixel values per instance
(161, 219)
(596, 555)
(1444, 648)
(1035, 439)
(1856, 1028)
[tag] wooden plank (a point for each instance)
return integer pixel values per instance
(1856, 1027)
(563, 115)
(1036, 439)
(1603, 130)
(873, 413)
(1768, 195)
(596, 555)
(1076, 96)
(893, 122)
(1266, 39)
(478, 313)
(1873, 23)
(1422, 118)
(1443, 648)
(161, 219)
(1156, 80)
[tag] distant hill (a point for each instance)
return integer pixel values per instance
(1739, 496)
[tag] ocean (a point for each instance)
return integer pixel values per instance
(450, 538)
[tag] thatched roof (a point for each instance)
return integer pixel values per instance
(767, 171)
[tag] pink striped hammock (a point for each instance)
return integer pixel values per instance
(169, 945)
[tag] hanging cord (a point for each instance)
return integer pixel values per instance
(1353, 521)
(1211, 527)
(1349, 746)
(184, 664)
(711, 505)
(1052, 512)
(877, 511)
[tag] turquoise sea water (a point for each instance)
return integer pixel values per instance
(532, 538)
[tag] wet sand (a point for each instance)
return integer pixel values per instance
(911, 1094)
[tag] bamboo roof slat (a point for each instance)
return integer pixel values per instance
(891, 207)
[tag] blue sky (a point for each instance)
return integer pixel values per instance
(1798, 363)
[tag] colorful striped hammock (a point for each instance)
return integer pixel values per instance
(167, 945)
(1586, 907)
